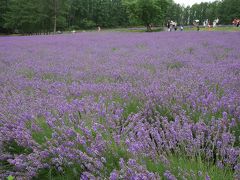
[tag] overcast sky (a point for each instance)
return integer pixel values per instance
(191, 2)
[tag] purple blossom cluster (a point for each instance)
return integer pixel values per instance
(102, 104)
(132, 170)
(158, 136)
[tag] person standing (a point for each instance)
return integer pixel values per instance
(196, 23)
(175, 26)
(99, 28)
(209, 26)
(168, 25)
(171, 25)
(181, 27)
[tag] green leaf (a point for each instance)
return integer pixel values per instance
(10, 178)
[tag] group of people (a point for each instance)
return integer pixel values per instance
(172, 26)
(207, 23)
(236, 22)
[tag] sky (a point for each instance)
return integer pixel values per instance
(191, 2)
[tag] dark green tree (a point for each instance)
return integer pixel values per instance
(22, 16)
(3, 10)
(147, 12)
(30, 16)
(228, 10)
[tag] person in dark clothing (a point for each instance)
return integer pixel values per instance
(168, 25)
(175, 27)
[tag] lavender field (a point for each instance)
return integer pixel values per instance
(120, 106)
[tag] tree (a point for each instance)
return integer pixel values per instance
(228, 10)
(225, 10)
(146, 11)
(3, 10)
(30, 16)
(175, 13)
(56, 11)
(22, 16)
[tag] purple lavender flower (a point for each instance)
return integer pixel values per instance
(169, 175)
(207, 177)
(113, 175)
(66, 102)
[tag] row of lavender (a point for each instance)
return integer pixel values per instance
(120, 106)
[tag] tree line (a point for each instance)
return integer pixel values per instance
(45, 16)
(225, 10)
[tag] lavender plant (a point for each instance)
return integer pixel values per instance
(120, 106)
